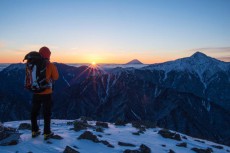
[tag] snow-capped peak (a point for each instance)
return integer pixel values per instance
(199, 54)
(197, 63)
(17, 66)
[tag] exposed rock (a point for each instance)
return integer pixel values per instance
(49, 142)
(184, 137)
(24, 126)
(99, 129)
(142, 149)
(131, 151)
(167, 134)
(120, 122)
(89, 136)
(80, 125)
(58, 137)
(149, 124)
(102, 124)
(85, 118)
(183, 144)
(138, 125)
(76, 147)
(171, 151)
(198, 150)
(126, 144)
(145, 149)
(68, 149)
(177, 137)
(199, 141)
(99, 135)
(218, 147)
(136, 133)
(70, 123)
(8, 136)
(107, 143)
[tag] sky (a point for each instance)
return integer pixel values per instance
(114, 31)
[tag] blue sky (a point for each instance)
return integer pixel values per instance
(114, 31)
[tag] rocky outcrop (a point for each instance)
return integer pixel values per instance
(69, 149)
(142, 149)
(199, 150)
(8, 136)
(24, 126)
(168, 134)
(89, 136)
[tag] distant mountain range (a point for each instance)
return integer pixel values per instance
(189, 95)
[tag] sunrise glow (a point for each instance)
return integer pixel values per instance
(114, 31)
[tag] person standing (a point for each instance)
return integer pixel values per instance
(44, 98)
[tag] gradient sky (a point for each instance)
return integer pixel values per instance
(114, 31)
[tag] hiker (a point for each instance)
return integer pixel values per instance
(44, 98)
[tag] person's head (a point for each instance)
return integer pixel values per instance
(45, 52)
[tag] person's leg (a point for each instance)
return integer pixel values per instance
(36, 105)
(47, 104)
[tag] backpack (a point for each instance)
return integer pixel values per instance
(35, 77)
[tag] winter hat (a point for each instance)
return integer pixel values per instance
(45, 52)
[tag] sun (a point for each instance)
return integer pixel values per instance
(93, 63)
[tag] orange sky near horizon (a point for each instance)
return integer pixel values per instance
(103, 58)
(107, 57)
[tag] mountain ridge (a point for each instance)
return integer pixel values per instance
(191, 63)
(179, 100)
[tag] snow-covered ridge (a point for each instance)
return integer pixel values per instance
(106, 140)
(17, 66)
(197, 63)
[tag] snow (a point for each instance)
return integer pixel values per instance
(66, 81)
(157, 91)
(107, 86)
(206, 105)
(113, 134)
(3, 66)
(138, 117)
(17, 66)
(198, 63)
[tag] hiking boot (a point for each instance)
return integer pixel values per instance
(47, 136)
(35, 133)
